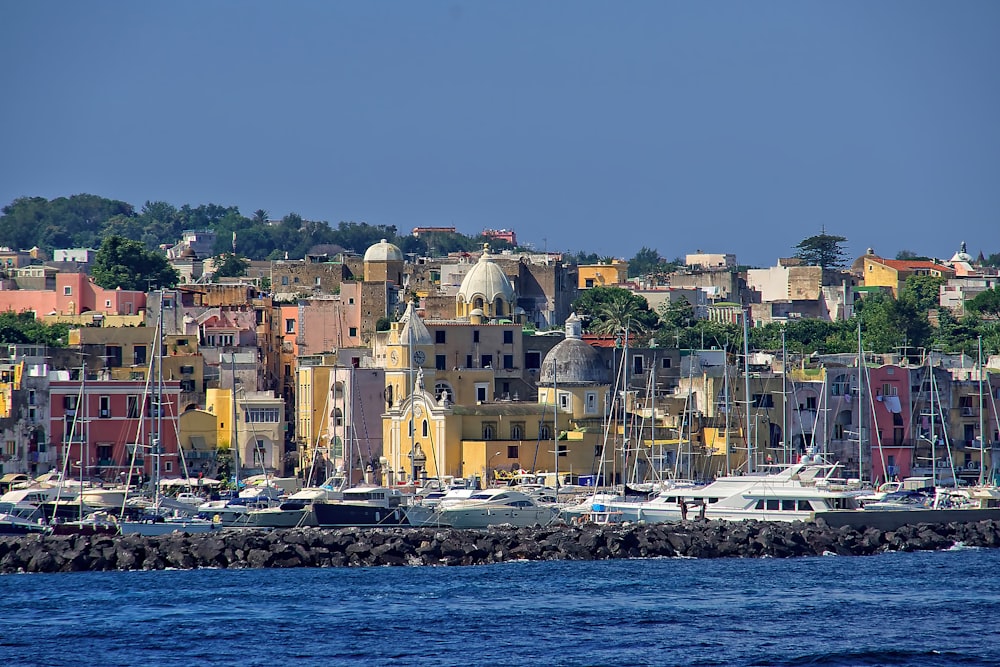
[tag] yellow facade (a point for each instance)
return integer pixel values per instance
(602, 275)
(880, 275)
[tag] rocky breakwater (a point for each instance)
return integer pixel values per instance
(314, 547)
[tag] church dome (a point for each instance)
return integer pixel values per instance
(962, 255)
(486, 282)
(573, 361)
(383, 251)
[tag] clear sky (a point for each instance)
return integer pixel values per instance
(602, 126)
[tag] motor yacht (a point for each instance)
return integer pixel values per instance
(490, 507)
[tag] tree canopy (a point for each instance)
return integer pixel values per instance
(125, 263)
(823, 250)
(609, 310)
(231, 266)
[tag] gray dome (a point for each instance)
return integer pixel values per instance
(383, 251)
(573, 361)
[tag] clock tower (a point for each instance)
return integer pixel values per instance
(410, 348)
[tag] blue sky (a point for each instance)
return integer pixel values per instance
(604, 126)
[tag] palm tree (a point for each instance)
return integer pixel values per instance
(620, 310)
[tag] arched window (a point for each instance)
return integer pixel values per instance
(425, 428)
(477, 302)
(388, 395)
(440, 388)
(544, 432)
(498, 307)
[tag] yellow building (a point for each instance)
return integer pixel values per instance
(602, 274)
(257, 425)
(446, 422)
(892, 273)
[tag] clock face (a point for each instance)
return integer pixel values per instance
(394, 357)
(419, 356)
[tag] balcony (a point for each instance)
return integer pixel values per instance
(968, 412)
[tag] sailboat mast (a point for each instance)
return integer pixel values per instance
(555, 425)
(982, 431)
(861, 405)
(784, 399)
(158, 402)
(930, 369)
(236, 438)
(725, 381)
(746, 387)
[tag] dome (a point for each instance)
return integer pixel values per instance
(573, 361)
(487, 281)
(383, 251)
(962, 255)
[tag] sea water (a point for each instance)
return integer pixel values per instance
(937, 608)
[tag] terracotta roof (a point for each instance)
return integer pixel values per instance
(909, 265)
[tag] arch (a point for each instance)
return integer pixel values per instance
(478, 302)
(424, 430)
(440, 387)
(498, 307)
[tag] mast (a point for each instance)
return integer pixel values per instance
(236, 439)
(158, 402)
(555, 424)
(982, 431)
(861, 405)
(784, 399)
(84, 459)
(746, 388)
(725, 381)
(930, 369)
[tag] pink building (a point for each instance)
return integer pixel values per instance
(102, 427)
(888, 423)
(75, 293)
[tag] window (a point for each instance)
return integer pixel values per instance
(481, 392)
(889, 389)
(508, 361)
(588, 282)
(665, 362)
(187, 386)
(439, 337)
(31, 397)
(486, 361)
(810, 402)
(564, 400)
(261, 415)
(69, 404)
(508, 337)
(637, 367)
(440, 388)
(489, 430)
(32, 415)
(440, 362)
(187, 370)
(295, 280)
(107, 303)
(763, 401)
(350, 301)
(475, 335)
(468, 361)
(516, 433)
(67, 290)
(168, 466)
(533, 360)
(512, 451)
(289, 325)
(424, 429)
(544, 432)
(104, 407)
(284, 280)
(352, 332)
(591, 403)
(139, 355)
(132, 407)
(563, 450)
(318, 281)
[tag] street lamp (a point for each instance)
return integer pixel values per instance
(488, 466)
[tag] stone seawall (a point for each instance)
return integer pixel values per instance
(315, 547)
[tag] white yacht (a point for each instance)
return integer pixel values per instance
(490, 507)
(784, 493)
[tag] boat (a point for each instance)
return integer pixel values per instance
(491, 507)
(22, 519)
(94, 523)
(362, 506)
(794, 492)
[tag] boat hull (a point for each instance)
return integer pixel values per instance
(344, 515)
(492, 516)
(891, 520)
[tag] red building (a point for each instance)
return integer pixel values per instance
(507, 235)
(101, 428)
(888, 423)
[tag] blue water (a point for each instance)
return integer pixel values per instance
(893, 609)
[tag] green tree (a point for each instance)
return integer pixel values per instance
(231, 266)
(24, 328)
(125, 263)
(924, 292)
(823, 250)
(612, 309)
(646, 261)
(887, 324)
(986, 303)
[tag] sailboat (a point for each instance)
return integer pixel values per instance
(159, 519)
